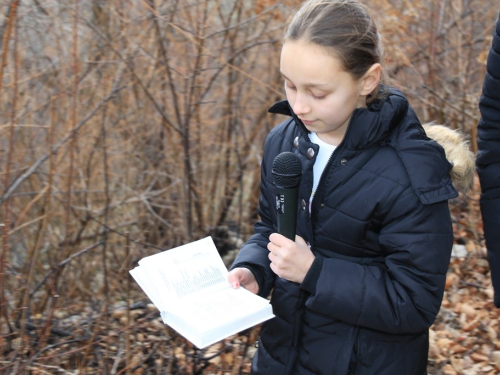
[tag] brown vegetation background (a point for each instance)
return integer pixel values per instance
(127, 127)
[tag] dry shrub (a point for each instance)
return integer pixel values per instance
(131, 126)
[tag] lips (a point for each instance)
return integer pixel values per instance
(307, 123)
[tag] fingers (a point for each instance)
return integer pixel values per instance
(279, 245)
(273, 249)
(241, 277)
(289, 258)
(300, 241)
(272, 256)
(279, 239)
(276, 242)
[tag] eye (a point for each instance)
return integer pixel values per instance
(318, 97)
(290, 86)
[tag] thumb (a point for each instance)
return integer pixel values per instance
(234, 278)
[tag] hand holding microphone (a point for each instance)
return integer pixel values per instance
(289, 254)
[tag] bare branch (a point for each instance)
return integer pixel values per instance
(13, 187)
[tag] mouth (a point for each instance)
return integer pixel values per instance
(308, 123)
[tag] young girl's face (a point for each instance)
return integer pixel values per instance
(320, 92)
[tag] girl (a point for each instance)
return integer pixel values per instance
(357, 290)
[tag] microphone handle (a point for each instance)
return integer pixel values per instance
(286, 210)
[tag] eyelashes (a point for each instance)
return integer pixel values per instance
(316, 97)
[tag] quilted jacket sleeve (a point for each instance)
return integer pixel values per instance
(404, 294)
(254, 254)
(488, 160)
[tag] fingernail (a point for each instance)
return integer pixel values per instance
(235, 284)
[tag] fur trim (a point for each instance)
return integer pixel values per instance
(457, 152)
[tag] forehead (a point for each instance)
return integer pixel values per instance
(310, 64)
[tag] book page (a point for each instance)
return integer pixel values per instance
(142, 278)
(182, 272)
(185, 283)
(225, 307)
(209, 319)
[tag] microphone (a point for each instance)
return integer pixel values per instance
(287, 173)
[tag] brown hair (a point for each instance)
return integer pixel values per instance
(346, 28)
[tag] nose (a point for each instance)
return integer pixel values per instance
(300, 105)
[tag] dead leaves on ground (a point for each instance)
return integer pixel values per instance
(465, 339)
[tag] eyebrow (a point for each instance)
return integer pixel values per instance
(307, 85)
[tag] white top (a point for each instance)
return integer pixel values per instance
(324, 153)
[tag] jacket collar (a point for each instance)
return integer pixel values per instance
(283, 108)
(368, 125)
(392, 122)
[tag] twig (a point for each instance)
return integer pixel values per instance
(159, 365)
(143, 360)
(106, 217)
(28, 207)
(472, 284)
(125, 235)
(127, 332)
(56, 148)
(55, 331)
(139, 81)
(75, 191)
(444, 101)
(12, 24)
(73, 139)
(12, 13)
(62, 264)
(28, 363)
(217, 56)
(158, 217)
(51, 369)
(121, 351)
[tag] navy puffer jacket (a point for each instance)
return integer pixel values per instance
(488, 160)
(381, 232)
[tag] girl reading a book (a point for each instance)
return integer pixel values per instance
(358, 289)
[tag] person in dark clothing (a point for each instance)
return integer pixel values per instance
(358, 289)
(488, 160)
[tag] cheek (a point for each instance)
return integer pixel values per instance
(332, 106)
(345, 101)
(290, 95)
(336, 107)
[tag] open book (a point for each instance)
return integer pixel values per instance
(189, 286)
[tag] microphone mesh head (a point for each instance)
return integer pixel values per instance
(287, 170)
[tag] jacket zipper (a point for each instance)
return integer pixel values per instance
(300, 305)
(330, 161)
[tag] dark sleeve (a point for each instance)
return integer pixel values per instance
(254, 253)
(488, 159)
(403, 294)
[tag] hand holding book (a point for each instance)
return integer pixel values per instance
(190, 287)
(245, 278)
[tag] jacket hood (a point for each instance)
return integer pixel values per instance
(392, 122)
(457, 152)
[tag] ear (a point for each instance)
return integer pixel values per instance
(371, 79)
